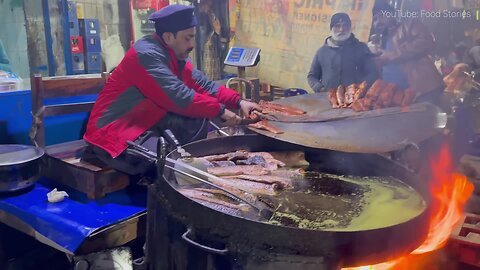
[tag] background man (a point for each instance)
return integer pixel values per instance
(342, 60)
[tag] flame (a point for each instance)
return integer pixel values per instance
(450, 191)
(381, 266)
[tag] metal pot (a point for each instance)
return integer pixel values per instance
(19, 166)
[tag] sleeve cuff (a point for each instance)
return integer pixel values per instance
(318, 88)
(238, 102)
(222, 110)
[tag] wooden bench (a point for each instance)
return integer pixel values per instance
(63, 162)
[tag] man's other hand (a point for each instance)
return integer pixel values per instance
(230, 118)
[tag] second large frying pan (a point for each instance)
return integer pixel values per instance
(343, 130)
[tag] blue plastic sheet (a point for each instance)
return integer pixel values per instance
(70, 222)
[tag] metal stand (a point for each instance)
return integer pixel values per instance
(255, 95)
(242, 74)
(241, 58)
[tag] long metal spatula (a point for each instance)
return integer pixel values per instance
(217, 181)
(262, 208)
(249, 199)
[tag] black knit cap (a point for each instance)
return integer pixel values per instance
(340, 17)
(173, 18)
(380, 6)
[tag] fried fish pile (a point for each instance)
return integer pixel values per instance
(380, 95)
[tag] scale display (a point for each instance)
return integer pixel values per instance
(242, 57)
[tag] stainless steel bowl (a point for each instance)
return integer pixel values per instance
(19, 166)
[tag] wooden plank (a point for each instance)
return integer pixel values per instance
(67, 86)
(95, 184)
(115, 235)
(67, 149)
(79, 165)
(71, 108)
(71, 153)
(82, 176)
(78, 162)
(87, 166)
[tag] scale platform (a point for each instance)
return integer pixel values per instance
(242, 57)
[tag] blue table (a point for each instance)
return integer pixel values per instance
(77, 223)
(72, 223)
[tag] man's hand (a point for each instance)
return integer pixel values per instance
(230, 118)
(384, 58)
(247, 107)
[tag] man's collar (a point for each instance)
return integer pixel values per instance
(169, 50)
(160, 40)
(165, 45)
(332, 43)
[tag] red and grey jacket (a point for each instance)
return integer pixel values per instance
(147, 84)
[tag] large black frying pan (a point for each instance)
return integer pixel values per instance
(241, 235)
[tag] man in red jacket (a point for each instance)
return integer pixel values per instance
(154, 88)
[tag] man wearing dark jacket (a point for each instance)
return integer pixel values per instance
(342, 60)
(472, 59)
(405, 58)
(154, 88)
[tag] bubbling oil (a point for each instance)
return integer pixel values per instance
(343, 203)
(388, 202)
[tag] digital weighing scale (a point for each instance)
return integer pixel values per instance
(241, 58)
